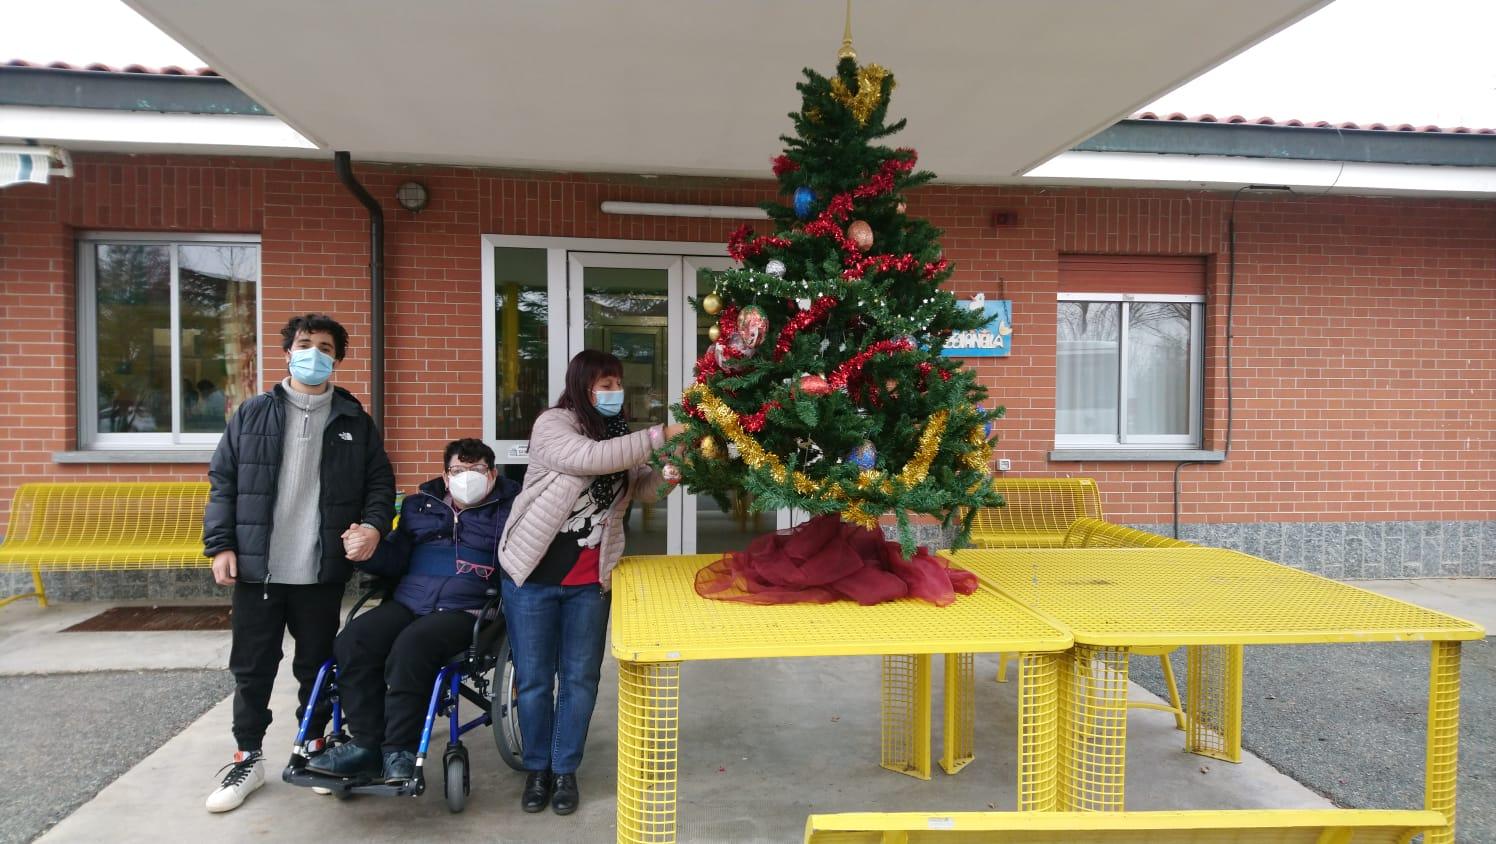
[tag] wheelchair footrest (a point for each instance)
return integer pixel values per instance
(351, 785)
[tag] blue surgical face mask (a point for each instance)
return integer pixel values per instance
(311, 366)
(609, 402)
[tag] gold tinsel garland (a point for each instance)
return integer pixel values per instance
(725, 419)
(869, 92)
(980, 456)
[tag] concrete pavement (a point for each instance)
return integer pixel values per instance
(764, 743)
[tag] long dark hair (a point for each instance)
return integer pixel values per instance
(584, 370)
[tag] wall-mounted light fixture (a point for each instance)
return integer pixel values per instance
(412, 196)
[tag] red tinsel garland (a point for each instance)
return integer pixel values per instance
(783, 165)
(801, 321)
(740, 247)
(823, 226)
(851, 370)
(754, 422)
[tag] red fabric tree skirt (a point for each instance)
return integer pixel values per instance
(826, 560)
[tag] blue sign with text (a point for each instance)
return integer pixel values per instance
(995, 339)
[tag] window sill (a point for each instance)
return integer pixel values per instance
(1135, 455)
(140, 455)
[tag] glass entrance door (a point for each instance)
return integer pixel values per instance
(626, 305)
(550, 300)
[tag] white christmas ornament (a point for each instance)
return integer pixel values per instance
(803, 304)
(775, 268)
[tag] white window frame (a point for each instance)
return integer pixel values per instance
(1124, 440)
(89, 437)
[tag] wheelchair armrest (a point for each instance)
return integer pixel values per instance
(489, 613)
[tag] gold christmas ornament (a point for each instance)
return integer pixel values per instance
(846, 51)
(861, 234)
(710, 449)
(714, 333)
(712, 303)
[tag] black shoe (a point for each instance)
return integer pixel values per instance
(537, 791)
(346, 760)
(399, 766)
(564, 796)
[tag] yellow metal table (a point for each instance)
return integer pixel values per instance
(659, 622)
(1212, 601)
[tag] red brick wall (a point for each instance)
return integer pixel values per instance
(1365, 328)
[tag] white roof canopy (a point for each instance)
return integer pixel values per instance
(991, 89)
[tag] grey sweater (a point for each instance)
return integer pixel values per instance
(294, 550)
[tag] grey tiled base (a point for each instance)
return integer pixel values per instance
(148, 585)
(1354, 550)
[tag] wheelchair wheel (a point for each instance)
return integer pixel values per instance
(455, 781)
(505, 706)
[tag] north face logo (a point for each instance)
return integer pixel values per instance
(345, 435)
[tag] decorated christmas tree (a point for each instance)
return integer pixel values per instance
(824, 389)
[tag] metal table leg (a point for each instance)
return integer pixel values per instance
(906, 714)
(1093, 728)
(1443, 737)
(1038, 732)
(648, 750)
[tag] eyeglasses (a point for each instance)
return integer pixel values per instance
(454, 471)
(465, 567)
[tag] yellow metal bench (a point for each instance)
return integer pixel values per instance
(103, 526)
(1037, 512)
(1240, 826)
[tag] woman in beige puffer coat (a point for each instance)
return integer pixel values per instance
(557, 551)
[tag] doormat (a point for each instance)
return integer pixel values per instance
(121, 619)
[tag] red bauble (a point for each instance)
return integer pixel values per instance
(814, 385)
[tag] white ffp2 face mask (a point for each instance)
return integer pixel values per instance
(468, 488)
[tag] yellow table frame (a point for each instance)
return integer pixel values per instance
(660, 622)
(1215, 602)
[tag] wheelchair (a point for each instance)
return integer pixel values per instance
(483, 674)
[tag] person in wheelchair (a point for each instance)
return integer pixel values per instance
(442, 556)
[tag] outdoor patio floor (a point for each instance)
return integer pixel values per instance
(764, 743)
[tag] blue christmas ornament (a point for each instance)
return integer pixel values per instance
(804, 199)
(864, 456)
(982, 412)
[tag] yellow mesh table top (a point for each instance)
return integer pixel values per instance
(1199, 596)
(658, 617)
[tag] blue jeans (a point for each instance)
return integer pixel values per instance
(557, 633)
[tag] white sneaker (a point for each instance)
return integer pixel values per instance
(245, 774)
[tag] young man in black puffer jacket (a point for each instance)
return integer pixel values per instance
(444, 554)
(301, 489)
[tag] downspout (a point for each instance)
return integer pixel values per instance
(344, 166)
(1230, 339)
